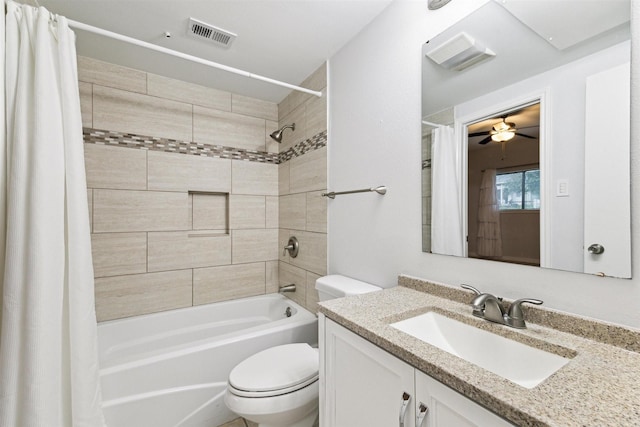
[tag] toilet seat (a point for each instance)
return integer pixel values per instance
(275, 371)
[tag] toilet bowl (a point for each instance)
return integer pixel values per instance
(279, 387)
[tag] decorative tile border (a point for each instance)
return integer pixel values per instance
(121, 139)
(313, 143)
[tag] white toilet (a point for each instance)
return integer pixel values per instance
(278, 387)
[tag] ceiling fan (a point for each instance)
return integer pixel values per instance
(502, 131)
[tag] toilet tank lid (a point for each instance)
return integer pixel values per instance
(338, 285)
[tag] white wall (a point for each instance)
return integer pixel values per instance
(374, 139)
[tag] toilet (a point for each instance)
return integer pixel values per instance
(278, 387)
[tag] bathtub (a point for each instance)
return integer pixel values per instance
(170, 369)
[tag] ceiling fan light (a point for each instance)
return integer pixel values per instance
(501, 127)
(503, 136)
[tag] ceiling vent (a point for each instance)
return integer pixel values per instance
(201, 30)
(459, 52)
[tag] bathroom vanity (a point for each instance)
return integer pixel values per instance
(375, 374)
(366, 385)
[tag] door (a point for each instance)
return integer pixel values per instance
(364, 385)
(448, 408)
(607, 221)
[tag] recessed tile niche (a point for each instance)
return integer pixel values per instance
(209, 211)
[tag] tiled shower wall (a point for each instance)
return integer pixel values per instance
(173, 229)
(302, 176)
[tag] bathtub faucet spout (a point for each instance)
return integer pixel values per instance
(287, 288)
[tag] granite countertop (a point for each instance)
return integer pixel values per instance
(598, 387)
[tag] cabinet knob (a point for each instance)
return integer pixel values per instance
(423, 410)
(595, 249)
(404, 405)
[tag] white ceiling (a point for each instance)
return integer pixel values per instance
(520, 51)
(285, 40)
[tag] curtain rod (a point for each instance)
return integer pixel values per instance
(131, 40)
(435, 125)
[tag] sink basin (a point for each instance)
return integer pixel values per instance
(517, 362)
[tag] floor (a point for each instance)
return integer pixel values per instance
(239, 422)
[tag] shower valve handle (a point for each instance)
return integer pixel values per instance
(292, 246)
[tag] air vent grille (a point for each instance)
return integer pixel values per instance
(218, 36)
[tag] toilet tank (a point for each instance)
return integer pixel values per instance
(337, 286)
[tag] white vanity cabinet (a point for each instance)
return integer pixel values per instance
(363, 386)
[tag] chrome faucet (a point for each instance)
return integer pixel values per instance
(489, 307)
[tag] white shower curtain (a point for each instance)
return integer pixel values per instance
(48, 342)
(446, 216)
(489, 239)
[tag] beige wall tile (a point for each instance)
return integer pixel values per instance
(254, 178)
(271, 211)
(298, 99)
(116, 254)
(270, 143)
(210, 212)
(128, 210)
(122, 111)
(106, 74)
(316, 211)
(283, 178)
(284, 107)
(289, 137)
(254, 245)
(228, 282)
(115, 167)
(293, 210)
(133, 295)
(316, 116)
(289, 274)
(312, 294)
(271, 279)
(247, 212)
(254, 107)
(86, 103)
(318, 79)
(190, 93)
(182, 172)
(313, 252)
(178, 250)
(228, 129)
(90, 203)
(309, 172)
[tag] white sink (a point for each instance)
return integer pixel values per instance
(517, 362)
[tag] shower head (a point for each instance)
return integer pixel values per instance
(277, 135)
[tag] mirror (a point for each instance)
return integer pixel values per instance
(525, 136)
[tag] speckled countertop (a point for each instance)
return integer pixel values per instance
(600, 386)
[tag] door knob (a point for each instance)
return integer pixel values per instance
(595, 249)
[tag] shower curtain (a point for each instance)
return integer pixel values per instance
(489, 239)
(446, 216)
(48, 341)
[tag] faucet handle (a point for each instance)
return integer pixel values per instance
(515, 317)
(471, 288)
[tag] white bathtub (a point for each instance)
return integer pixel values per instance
(170, 369)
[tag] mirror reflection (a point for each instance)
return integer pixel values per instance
(525, 136)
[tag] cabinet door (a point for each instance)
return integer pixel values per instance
(448, 408)
(364, 385)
